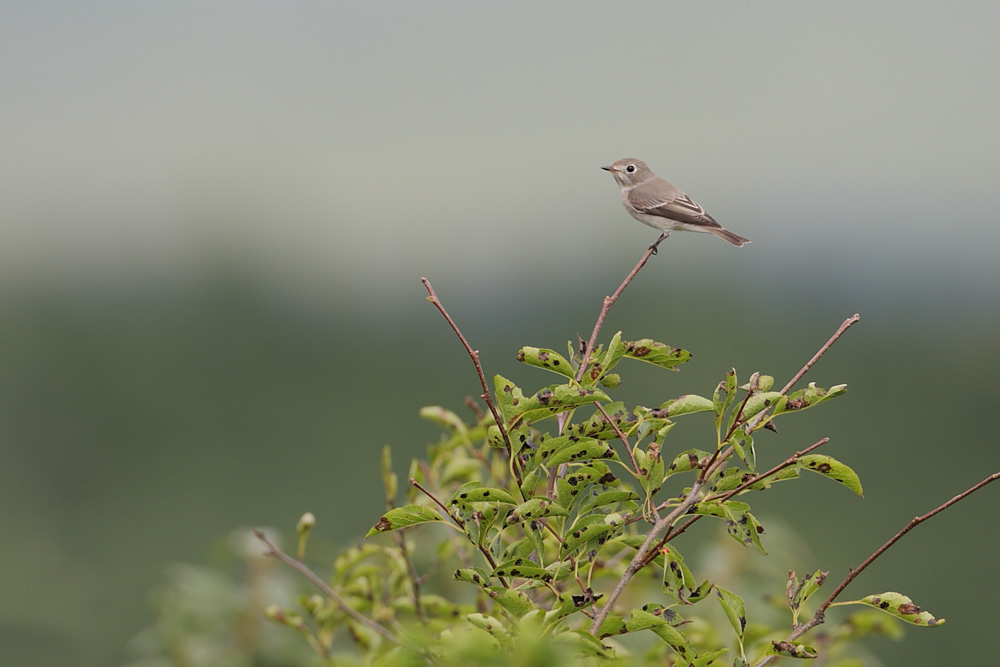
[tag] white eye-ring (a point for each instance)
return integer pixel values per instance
(630, 168)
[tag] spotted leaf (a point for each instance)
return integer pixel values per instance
(832, 468)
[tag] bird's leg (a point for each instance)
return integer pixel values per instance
(657, 242)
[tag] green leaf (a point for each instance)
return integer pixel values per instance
(515, 602)
(473, 575)
(522, 548)
(758, 402)
(509, 397)
(763, 383)
(459, 467)
(444, 418)
(792, 650)
(494, 437)
(900, 606)
(643, 620)
(602, 361)
(800, 591)
(687, 404)
(550, 360)
(612, 625)
(650, 468)
(678, 580)
(581, 642)
(494, 627)
(614, 353)
(655, 353)
(610, 380)
(707, 659)
(806, 398)
(743, 446)
(403, 517)
(565, 604)
(348, 560)
(582, 451)
(521, 438)
(870, 622)
(551, 400)
(723, 397)
(729, 480)
(522, 568)
(742, 525)
(579, 479)
(690, 460)
(600, 528)
(536, 508)
(473, 492)
(832, 468)
(645, 421)
(620, 499)
(735, 610)
(597, 425)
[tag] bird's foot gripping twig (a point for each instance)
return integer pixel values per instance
(652, 248)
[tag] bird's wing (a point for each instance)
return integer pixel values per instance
(677, 207)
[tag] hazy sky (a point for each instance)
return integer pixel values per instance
(385, 140)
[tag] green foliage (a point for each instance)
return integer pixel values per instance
(542, 529)
(209, 617)
(547, 530)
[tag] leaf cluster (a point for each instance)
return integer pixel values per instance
(530, 528)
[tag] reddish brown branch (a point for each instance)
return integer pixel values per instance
(486, 395)
(608, 301)
(318, 582)
(820, 615)
(853, 319)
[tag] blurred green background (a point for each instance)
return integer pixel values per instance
(213, 219)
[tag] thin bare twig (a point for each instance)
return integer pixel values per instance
(621, 436)
(486, 395)
(820, 615)
(608, 301)
(850, 321)
(273, 550)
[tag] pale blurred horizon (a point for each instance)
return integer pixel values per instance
(344, 143)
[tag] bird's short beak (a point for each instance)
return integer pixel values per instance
(610, 167)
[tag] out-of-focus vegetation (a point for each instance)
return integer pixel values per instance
(138, 430)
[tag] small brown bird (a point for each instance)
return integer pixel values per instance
(657, 203)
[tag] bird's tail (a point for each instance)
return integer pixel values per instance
(735, 239)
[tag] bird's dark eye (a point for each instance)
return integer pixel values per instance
(630, 168)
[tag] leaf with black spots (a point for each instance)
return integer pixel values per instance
(687, 404)
(522, 568)
(832, 468)
(550, 360)
(732, 605)
(536, 508)
(473, 492)
(655, 353)
(404, 517)
(806, 398)
(900, 606)
(692, 459)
